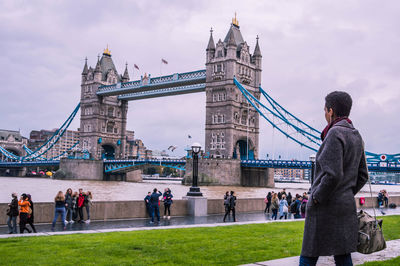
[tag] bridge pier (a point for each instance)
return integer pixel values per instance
(257, 177)
(81, 169)
(229, 172)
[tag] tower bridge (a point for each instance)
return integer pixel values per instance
(235, 101)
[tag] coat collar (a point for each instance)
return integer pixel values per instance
(343, 123)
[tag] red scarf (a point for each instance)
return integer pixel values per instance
(326, 129)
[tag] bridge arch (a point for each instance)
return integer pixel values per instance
(108, 151)
(240, 150)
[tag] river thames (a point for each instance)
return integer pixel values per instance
(44, 190)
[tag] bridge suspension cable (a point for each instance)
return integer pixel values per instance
(299, 135)
(48, 145)
(297, 130)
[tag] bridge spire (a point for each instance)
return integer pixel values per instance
(85, 68)
(98, 68)
(125, 77)
(257, 51)
(211, 45)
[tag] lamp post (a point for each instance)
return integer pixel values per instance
(194, 189)
(312, 159)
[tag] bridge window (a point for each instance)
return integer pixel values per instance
(110, 112)
(224, 96)
(115, 130)
(214, 97)
(110, 127)
(219, 53)
(219, 67)
(219, 97)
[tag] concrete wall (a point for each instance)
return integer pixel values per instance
(224, 172)
(102, 210)
(82, 169)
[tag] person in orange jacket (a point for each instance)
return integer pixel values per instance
(23, 213)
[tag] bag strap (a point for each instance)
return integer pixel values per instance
(369, 180)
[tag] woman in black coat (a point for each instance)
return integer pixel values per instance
(331, 226)
(30, 219)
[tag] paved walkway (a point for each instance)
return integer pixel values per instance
(144, 224)
(392, 251)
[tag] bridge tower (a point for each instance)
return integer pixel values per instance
(232, 126)
(103, 119)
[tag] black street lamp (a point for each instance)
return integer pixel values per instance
(312, 159)
(194, 189)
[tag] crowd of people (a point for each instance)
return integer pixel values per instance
(282, 203)
(22, 208)
(152, 201)
(69, 206)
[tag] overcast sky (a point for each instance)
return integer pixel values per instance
(309, 48)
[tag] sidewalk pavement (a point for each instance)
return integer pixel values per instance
(144, 224)
(392, 251)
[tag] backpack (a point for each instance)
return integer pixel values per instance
(303, 207)
(293, 207)
(227, 200)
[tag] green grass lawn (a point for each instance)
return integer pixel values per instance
(228, 245)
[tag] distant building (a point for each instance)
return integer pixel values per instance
(289, 173)
(39, 137)
(135, 148)
(13, 142)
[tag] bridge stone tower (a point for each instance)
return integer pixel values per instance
(103, 119)
(232, 125)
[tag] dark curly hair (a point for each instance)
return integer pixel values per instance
(340, 102)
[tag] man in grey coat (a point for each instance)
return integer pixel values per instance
(331, 226)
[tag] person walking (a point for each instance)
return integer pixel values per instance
(268, 206)
(303, 206)
(74, 206)
(266, 203)
(167, 198)
(68, 206)
(274, 206)
(155, 204)
(30, 219)
(386, 198)
(283, 207)
(231, 206)
(297, 205)
(147, 203)
(80, 205)
(331, 225)
(23, 213)
(12, 214)
(226, 201)
(289, 198)
(88, 203)
(59, 210)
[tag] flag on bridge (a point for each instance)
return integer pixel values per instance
(164, 61)
(136, 66)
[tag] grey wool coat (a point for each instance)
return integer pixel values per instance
(331, 226)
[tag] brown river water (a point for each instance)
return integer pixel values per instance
(44, 190)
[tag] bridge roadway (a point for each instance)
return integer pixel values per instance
(120, 165)
(175, 84)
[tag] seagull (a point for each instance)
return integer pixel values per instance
(172, 148)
